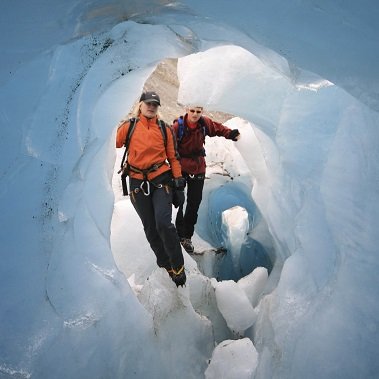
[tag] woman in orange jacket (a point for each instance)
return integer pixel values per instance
(155, 180)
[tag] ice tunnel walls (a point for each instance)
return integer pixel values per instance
(283, 169)
(298, 189)
(228, 189)
(257, 179)
(242, 85)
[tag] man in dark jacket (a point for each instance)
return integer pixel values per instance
(190, 131)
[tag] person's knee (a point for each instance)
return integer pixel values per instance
(163, 226)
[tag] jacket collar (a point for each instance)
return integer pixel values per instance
(148, 121)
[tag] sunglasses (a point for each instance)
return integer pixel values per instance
(151, 104)
(195, 111)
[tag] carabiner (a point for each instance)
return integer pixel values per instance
(147, 192)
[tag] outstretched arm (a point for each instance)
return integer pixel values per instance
(217, 129)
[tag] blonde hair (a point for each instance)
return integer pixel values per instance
(137, 111)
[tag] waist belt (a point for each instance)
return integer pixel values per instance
(145, 185)
(194, 176)
(146, 171)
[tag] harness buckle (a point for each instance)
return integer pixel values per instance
(155, 167)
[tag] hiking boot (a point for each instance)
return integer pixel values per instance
(178, 276)
(170, 272)
(187, 245)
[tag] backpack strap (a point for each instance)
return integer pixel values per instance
(204, 126)
(133, 122)
(162, 126)
(125, 166)
(182, 128)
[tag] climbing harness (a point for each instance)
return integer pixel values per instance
(126, 167)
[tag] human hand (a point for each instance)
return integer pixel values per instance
(234, 135)
(177, 198)
(179, 183)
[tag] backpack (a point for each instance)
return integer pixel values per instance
(181, 133)
(182, 128)
(125, 167)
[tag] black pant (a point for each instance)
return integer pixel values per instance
(185, 223)
(155, 212)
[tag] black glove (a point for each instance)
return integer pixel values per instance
(177, 197)
(179, 183)
(233, 135)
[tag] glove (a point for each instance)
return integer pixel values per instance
(234, 135)
(179, 183)
(177, 197)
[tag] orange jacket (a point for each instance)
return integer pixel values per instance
(147, 148)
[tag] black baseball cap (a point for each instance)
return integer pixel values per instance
(150, 97)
